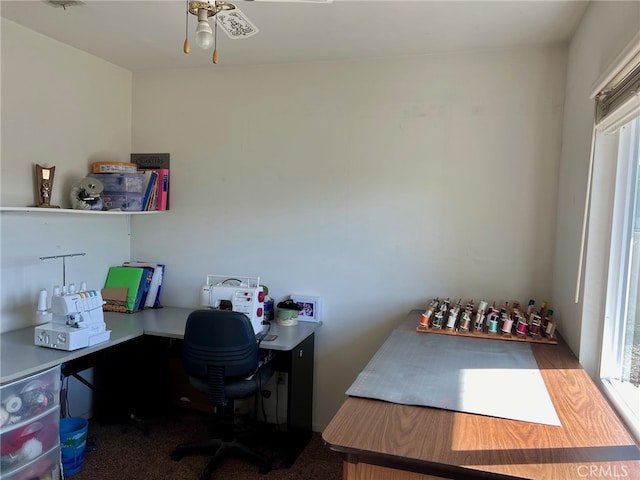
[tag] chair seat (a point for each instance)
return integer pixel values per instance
(239, 389)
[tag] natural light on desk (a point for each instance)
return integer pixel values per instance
(522, 394)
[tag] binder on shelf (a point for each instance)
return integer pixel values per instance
(163, 189)
(153, 202)
(151, 185)
(152, 297)
(126, 277)
(143, 289)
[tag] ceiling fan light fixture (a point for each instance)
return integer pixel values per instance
(234, 23)
(203, 10)
(204, 34)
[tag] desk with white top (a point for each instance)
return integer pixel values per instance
(294, 348)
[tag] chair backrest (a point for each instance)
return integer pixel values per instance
(219, 338)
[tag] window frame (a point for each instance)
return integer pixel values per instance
(605, 272)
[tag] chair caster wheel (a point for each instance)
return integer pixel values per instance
(175, 456)
(264, 469)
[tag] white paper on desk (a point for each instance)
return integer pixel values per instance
(487, 377)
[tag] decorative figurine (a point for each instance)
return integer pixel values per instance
(44, 181)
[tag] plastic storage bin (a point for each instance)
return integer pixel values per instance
(121, 182)
(130, 202)
(47, 466)
(29, 423)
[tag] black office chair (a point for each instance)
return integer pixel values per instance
(221, 357)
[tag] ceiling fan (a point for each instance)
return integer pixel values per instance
(228, 17)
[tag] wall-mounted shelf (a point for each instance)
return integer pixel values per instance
(73, 211)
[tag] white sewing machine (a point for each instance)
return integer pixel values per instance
(240, 294)
(77, 322)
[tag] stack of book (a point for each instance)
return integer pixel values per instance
(133, 286)
(155, 167)
(156, 189)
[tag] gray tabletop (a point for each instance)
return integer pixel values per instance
(20, 357)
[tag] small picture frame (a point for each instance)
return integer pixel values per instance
(310, 308)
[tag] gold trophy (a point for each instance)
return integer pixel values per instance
(44, 180)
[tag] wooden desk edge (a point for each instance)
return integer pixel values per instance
(551, 358)
(414, 466)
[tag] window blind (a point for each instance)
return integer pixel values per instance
(623, 87)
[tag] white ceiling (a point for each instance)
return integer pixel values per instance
(150, 34)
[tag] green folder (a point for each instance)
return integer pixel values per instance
(119, 277)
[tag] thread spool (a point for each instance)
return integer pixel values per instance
(518, 320)
(34, 397)
(534, 328)
(506, 325)
(453, 316)
(551, 328)
(530, 306)
(483, 306)
(521, 329)
(492, 320)
(13, 404)
(42, 300)
(493, 325)
(464, 323)
(437, 320)
(4, 416)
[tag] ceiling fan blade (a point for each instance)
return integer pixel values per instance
(293, 1)
(235, 24)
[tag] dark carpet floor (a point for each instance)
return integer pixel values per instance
(128, 454)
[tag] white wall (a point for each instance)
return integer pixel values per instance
(60, 107)
(605, 30)
(374, 185)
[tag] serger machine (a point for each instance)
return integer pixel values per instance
(240, 294)
(77, 321)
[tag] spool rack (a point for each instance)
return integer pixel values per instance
(492, 336)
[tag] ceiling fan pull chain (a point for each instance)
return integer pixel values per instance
(186, 48)
(215, 36)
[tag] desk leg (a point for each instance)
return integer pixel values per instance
(299, 398)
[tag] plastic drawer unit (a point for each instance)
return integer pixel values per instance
(29, 423)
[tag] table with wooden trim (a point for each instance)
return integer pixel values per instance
(382, 440)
